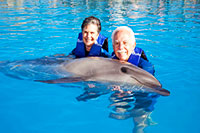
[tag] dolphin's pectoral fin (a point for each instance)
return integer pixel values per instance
(63, 80)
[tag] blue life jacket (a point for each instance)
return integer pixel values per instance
(134, 57)
(95, 49)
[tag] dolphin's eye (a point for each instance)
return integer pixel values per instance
(124, 70)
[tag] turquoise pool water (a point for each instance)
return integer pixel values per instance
(168, 30)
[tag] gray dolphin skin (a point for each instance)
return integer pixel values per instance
(109, 70)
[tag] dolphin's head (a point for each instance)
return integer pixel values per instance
(143, 78)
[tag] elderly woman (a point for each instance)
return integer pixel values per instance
(90, 42)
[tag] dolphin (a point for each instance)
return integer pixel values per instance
(109, 71)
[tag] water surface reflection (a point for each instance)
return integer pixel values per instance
(126, 104)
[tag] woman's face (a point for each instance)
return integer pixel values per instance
(90, 35)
